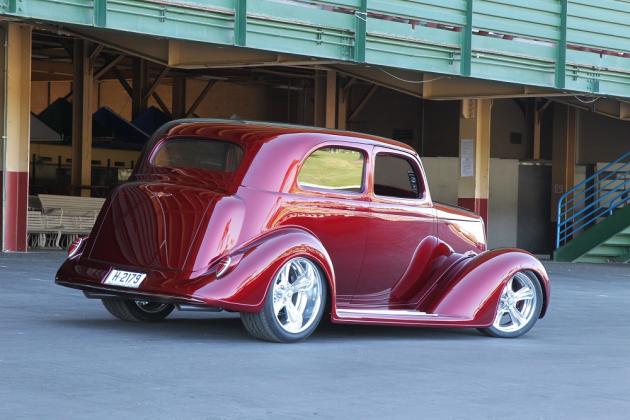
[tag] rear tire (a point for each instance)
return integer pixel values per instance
(296, 301)
(136, 310)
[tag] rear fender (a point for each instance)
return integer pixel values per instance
(472, 292)
(244, 287)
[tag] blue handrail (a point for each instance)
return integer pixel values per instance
(595, 197)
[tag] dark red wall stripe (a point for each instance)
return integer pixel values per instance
(477, 205)
(16, 211)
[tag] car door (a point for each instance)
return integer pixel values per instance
(331, 200)
(402, 216)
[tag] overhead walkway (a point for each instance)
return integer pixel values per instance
(566, 45)
(594, 217)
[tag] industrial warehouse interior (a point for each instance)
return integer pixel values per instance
(519, 113)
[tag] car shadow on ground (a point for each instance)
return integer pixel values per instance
(231, 329)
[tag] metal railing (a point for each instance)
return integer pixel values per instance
(592, 199)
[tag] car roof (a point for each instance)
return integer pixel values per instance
(269, 130)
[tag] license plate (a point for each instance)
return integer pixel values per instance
(124, 279)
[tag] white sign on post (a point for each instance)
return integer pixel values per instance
(467, 158)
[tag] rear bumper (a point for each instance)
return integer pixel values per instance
(176, 287)
(103, 292)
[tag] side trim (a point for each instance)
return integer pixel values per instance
(351, 313)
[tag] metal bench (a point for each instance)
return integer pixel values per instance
(40, 234)
(71, 215)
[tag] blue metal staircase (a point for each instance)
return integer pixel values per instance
(593, 222)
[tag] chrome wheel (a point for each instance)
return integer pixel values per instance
(150, 307)
(517, 305)
(297, 295)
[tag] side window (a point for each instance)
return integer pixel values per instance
(333, 168)
(395, 177)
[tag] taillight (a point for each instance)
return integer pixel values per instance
(76, 247)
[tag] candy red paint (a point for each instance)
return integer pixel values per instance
(387, 260)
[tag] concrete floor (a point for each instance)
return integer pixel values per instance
(62, 356)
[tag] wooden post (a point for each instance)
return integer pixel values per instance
(139, 100)
(331, 99)
(179, 97)
(16, 97)
(474, 134)
(319, 102)
(537, 125)
(82, 88)
(342, 106)
(563, 152)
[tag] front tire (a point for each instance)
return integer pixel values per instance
(137, 310)
(296, 301)
(519, 307)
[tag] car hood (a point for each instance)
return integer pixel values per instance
(152, 226)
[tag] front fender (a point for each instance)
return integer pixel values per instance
(472, 292)
(244, 287)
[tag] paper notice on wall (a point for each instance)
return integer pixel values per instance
(467, 158)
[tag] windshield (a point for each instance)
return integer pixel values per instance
(198, 153)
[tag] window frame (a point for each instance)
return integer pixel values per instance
(415, 166)
(336, 192)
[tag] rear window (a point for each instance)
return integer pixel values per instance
(212, 155)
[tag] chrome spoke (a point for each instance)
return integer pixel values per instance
(294, 316)
(298, 267)
(525, 293)
(301, 302)
(302, 284)
(310, 271)
(499, 318)
(516, 317)
(278, 303)
(284, 276)
(509, 287)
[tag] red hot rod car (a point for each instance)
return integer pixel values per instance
(289, 224)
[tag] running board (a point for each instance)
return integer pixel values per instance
(380, 313)
(398, 317)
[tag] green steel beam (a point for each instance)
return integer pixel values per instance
(100, 13)
(240, 23)
(421, 41)
(561, 59)
(360, 34)
(466, 50)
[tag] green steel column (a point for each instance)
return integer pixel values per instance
(561, 59)
(13, 6)
(361, 32)
(240, 23)
(466, 52)
(100, 13)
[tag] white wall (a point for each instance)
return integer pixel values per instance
(443, 174)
